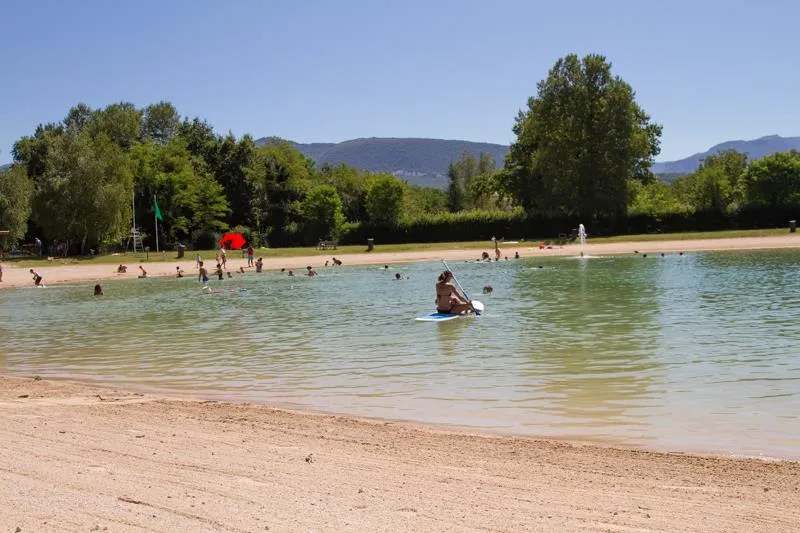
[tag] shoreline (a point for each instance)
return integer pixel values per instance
(78, 457)
(68, 274)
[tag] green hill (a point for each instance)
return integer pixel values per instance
(418, 161)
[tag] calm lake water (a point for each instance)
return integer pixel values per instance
(699, 352)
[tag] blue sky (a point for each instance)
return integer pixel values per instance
(327, 71)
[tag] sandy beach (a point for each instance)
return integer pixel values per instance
(86, 272)
(82, 458)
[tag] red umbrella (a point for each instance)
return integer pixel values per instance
(232, 241)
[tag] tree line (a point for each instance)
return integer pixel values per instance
(583, 152)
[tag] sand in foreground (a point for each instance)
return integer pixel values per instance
(79, 458)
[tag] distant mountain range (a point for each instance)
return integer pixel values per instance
(418, 161)
(755, 149)
(424, 161)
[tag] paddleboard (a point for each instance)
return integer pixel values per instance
(444, 317)
(437, 317)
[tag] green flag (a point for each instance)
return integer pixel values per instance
(157, 210)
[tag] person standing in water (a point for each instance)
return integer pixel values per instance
(202, 274)
(98, 290)
(448, 298)
(37, 279)
(250, 255)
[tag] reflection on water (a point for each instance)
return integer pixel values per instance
(699, 352)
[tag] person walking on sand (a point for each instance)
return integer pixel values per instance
(1, 272)
(223, 257)
(496, 249)
(37, 279)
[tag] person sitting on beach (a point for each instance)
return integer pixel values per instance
(98, 290)
(178, 272)
(448, 299)
(37, 279)
(143, 272)
(202, 274)
(311, 272)
(259, 264)
(485, 256)
(122, 269)
(336, 262)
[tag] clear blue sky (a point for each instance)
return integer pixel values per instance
(327, 71)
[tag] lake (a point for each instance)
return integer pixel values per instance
(696, 353)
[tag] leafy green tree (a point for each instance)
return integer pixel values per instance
(78, 118)
(209, 205)
(579, 142)
(121, 122)
(229, 164)
(278, 176)
(351, 184)
(653, 197)
(459, 175)
(322, 214)
(16, 190)
(160, 122)
(84, 194)
(773, 181)
(385, 200)
(419, 201)
(33, 151)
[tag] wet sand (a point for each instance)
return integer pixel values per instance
(83, 458)
(61, 274)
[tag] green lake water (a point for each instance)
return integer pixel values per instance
(699, 352)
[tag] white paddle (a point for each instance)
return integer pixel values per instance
(477, 307)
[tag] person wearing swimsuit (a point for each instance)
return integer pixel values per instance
(448, 299)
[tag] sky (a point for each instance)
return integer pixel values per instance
(328, 71)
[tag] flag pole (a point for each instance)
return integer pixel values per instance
(155, 215)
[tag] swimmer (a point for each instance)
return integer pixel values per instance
(98, 290)
(291, 273)
(311, 272)
(516, 255)
(488, 289)
(398, 276)
(259, 264)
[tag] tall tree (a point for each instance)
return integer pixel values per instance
(121, 122)
(15, 202)
(579, 142)
(322, 214)
(84, 195)
(385, 200)
(278, 176)
(160, 122)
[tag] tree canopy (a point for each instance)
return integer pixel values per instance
(580, 141)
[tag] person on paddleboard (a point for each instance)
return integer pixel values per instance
(448, 298)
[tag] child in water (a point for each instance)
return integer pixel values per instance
(202, 275)
(98, 290)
